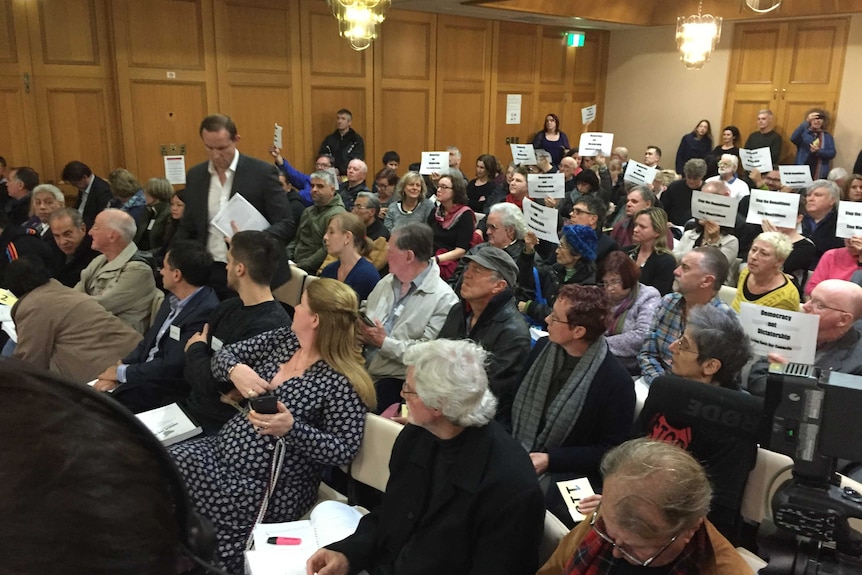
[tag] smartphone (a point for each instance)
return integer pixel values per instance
(366, 320)
(267, 404)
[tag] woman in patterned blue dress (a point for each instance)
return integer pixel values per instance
(317, 374)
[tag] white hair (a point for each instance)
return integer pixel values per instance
(511, 217)
(50, 189)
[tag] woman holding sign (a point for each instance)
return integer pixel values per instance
(650, 250)
(763, 282)
(552, 140)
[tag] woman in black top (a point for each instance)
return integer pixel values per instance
(650, 249)
(483, 185)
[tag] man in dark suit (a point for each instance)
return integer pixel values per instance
(209, 185)
(152, 375)
(94, 193)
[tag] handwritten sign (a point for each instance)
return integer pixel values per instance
(638, 173)
(513, 108)
(792, 334)
(588, 114)
(759, 159)
(777, 207)
(541, 220)
(175, 169)
(596, 143)
(276, 136)
(546, 185)
(524, 154)
(715, 208)
(849, 220)
(434, 163)
(573, 491)
(795, 176)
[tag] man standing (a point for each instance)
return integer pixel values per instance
(94, 193)
(652, 156)
(307, 248)
(765, 136)
(488, 315)
(74, 244)
(357, 171)
(344, 144)
(21, 183)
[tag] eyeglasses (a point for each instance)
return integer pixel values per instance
(685, 346)
(492, 227)
(579, 211)
(359, 207)
(406, 391)
(818, 305)
(321, 166)
(598, 525)
(554, 319)
(441, 187)
(613, 283)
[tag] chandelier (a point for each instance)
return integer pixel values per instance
(696, 37)
(359, 20)
(762, 6)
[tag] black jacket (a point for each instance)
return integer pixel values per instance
(17, 242)
(99, 198)
(551, 278)
(343, 148)
(68, 271)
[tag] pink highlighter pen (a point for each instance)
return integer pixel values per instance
(284, 541)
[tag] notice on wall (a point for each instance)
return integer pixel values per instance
(849, 220)
(715, 208)
(175, 170)
(523, 154)
(596, 144)
(791, 334)
(588, 114)
(513, 108)
(276, 136)
(546, 185)
(759, 159)
(795, 176)
(778, 207)
(434, 163)
(638, 173)
(541, 220)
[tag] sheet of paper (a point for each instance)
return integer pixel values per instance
(546, 185)
(795, 176)
(588, 114)
(715, 208)
(523, 154)
(434, 163)
(175, 170)
(596, 143)
(513, 108)
(849, 219)
(541, 220)
(792, 334)
(239, 210)
(169, 424)
(759, 159)
(276, 136)
(573, 491)
(778, 207)
(638, 173)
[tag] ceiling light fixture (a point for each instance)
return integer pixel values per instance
(696, 38)
(762, 6)
(359, 20)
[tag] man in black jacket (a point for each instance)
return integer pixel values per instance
(17, 242)
(73, 243)
(493, 322)
(344, 144)
(94, 193)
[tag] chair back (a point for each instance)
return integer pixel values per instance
(371, 464)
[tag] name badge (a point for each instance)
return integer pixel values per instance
(216, 344)
(174, 332)
(151, 224)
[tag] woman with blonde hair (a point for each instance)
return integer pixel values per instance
(411, 204)
(346, 240)
(128, 193)
(763, 282)
(650, 251)
(151, 229)
(267, 466)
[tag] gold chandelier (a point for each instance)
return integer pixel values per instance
(359, 20)
(696, 37)
(762, 6)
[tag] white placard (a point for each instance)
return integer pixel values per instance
(795, 176)
(175, 169)
(596, 143)
(791, 334)
(434, 163)
(572, 492)
(513, 108)
(778, 207)
(546, 185)
(638, 173)
(541, 220)
(588, 114)
(715, 208)
(239, 210)
(276, 136)
(759, 159)
(524, 154)
(849, 220)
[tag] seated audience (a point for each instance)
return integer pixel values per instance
(301, 182)
(345, 239)
(151, 229)
(488, 315)
(821, 218)
(453, 224)
(632, 308)
(357, 171)
(295, 202)
(709, 233)
(575, 400)
(128, 194)
(590, 211)
(178, 208)
(665, 528)
(803, 255)
(73, 243)
(517, 189)
(18, 242)
(461, 496)
(367, 208)
(152, 374)
(20, 185)
(638, 198)
(322, 392)
(575, 264)
(839, 305)
(410, 204)
(650, 251)
(306, 248)
(407, 306)
(697, 279)
(63, 330)
(840, 263)
(762, 282)
(46, 199)
(385, 182)
(119, 279)
(728, 165)
(676, 200)
(251, 262)
(483, 186)
(94, 193)
(852, 190)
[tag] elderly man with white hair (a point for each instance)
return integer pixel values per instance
(727, 167)
(462, 496)
(119, 279)
(45, 199)
(357, 171)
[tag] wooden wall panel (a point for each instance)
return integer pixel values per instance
(8, 48)
(325, 102)
(13, 126)
(755, 56)
(459, 37)
(590, 61)
(68, 32)
(553, 63)
(406, 49)
(458, 125)
(330, 54)
(165, 34)
(249, 49)
(517, 54)
(818, 55)
(255, 109)
(405, 129)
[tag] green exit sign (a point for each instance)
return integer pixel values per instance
(574, 39)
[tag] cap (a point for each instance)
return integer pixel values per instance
(498, 260)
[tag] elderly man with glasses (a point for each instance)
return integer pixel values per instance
(653, 514)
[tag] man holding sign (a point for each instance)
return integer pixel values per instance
(821, 220)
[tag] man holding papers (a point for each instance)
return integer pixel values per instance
(821, 220)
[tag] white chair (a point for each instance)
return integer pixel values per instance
(371, 464)
(727, 294)
(291, 291)
(553, 533)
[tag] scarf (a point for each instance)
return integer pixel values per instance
(135, 201)
(617, 318)
(564, 410)
(448, 219)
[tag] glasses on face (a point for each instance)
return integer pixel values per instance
(614, 283)
(406, 391)
(818, 305)
(598, 525)
(442, 187)
(322, 165)
(359, 207)
(683, 345)
(579, 211)
(554, 319)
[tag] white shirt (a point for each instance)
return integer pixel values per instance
(738, 188)
(219, 194)
(85, 194)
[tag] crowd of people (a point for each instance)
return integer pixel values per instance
(134, 290)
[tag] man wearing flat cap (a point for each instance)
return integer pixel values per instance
(488, 314)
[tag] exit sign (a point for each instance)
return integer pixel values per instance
(574, 39)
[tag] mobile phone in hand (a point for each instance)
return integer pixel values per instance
(267, 404)
(366, 320)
